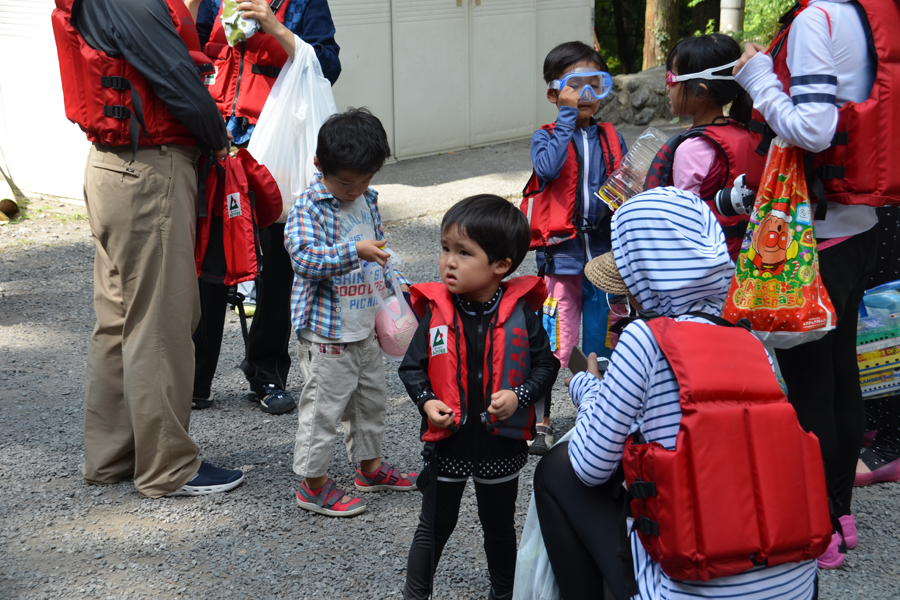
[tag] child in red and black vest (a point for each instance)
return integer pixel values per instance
(572, 158)
(478, 362)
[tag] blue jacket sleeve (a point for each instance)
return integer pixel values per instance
(206, 17)
(317, 29)
(548, 150)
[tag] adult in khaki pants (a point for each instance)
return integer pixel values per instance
(126, 68)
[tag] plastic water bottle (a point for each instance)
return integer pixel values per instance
(628, 180)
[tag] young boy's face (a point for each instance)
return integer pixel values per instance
(465, 267)
(585, 109)
(345, 185)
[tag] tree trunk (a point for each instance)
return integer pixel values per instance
(660, 31)
(626, 56)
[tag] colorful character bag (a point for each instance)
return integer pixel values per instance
(776, 284)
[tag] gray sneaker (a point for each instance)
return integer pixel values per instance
(543, 440)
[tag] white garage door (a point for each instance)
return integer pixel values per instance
(44, 151)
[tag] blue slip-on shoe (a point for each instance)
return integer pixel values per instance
(209, 480)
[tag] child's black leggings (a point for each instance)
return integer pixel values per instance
(440, 510)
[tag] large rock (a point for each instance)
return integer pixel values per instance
(638, 99)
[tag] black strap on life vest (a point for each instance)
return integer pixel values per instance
(734, 231)
(266, 70)
(201, 181)
(768, 134)
(616, 485)
(275, 5)
(135, 115)
(237, 299)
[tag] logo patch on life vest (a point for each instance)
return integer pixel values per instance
(234, 205)
(210, 78)
(438, 337)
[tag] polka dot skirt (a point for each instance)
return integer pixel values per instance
(492, 468)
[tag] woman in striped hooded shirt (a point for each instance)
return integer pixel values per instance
(672, 258)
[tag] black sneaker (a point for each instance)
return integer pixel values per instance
(210, 480)
(543, 440)
(275, 401)
(199, 402)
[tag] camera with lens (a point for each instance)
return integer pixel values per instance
(735, 200)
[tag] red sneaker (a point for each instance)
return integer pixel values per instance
(329, 500)
(385, 478)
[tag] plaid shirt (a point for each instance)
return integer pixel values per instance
(311, 236)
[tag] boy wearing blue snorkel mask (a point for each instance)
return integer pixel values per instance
(572, 159)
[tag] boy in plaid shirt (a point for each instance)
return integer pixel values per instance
(332, 227)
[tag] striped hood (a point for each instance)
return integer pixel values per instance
(671, 252)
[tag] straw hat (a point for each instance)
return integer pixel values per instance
(602, 272)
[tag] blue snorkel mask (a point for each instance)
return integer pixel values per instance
(589, 85)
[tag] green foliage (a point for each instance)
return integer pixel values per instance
(710, 28)
(761, 19)
(760, 25)
(620, 59)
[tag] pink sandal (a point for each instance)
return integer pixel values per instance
(385, 478)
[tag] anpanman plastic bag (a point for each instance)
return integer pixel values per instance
(776, 284)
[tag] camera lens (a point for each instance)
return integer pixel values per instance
(734, 201)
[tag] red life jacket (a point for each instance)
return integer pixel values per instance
(108, 98)
(745, 485)
(244, 75)
(241, 197)
(507, 358)
(859, 166)
(735, 146)
(552, 208)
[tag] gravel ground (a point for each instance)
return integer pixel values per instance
(60, 538)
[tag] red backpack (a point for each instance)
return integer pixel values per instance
(745, 485)
(240, 197)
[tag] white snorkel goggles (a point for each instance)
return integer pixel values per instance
(709, 74)
(589, 85)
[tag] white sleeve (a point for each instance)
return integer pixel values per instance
(808, 117)
(609, 408)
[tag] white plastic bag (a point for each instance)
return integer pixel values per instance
(534, 576)
(285, 136)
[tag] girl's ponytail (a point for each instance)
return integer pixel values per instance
(741, 107)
